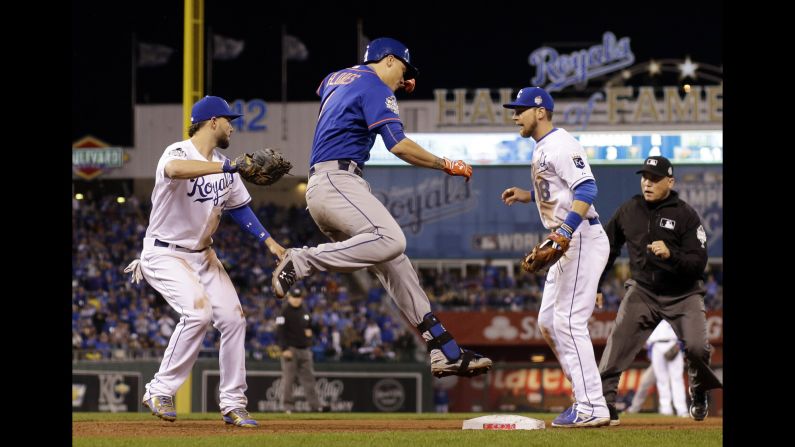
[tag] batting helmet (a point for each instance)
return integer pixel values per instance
(383, 47)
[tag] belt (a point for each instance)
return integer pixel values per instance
(159, 243)
(344, 165)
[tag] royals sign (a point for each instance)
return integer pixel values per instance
(582, 65)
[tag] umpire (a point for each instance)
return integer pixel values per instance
(294, 337)
(667, 248)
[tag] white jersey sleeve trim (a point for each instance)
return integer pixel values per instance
(580, 181)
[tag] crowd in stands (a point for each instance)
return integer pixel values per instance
(491, 288)
(113, 318)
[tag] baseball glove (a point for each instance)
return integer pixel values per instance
(263, 167)
(546, 253)
(672, 353)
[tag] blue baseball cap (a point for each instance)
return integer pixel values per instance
(532, 97)
(211, 106)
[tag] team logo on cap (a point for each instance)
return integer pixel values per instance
(538, 100)
(519, 94)
(651, 161)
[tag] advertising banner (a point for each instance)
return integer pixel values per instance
(521, 328)
(106, 391)
(446, 217)
(340, 391)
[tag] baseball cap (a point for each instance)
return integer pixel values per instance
(532, 97)
(657, 165)
(211, 106)
(297, 292)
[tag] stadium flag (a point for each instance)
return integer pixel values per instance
(153, 54)
(227, 48)
(294, 49)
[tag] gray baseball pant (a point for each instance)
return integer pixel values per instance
(302, 365)
(366, 235)
(639, 313)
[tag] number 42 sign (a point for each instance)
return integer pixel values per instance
(253, 119)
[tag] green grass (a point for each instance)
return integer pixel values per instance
(614, 437)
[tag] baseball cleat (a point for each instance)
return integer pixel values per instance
(613, 415)
(698, 405)
(469, 364)
(284, 276)
(239, 417)
(571, 418)
(162, 407)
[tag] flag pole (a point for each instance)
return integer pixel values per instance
(208, 61)
(359, 41)
(134, 85)
(284, 84)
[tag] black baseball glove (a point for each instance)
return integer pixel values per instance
(263, 167)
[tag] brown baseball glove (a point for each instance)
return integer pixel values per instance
(546, 253)
(671, 353)
(263, 167)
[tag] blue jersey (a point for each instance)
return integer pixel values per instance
(354, 104)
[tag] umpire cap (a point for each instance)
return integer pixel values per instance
(383, 47)
(657, 165)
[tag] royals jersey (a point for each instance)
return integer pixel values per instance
(663, 332)
(559, 165)
(354, 104)
(186, 212)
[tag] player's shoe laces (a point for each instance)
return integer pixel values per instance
(469, 364)
(613, 415)
(284, 276)
(240, 418)
(571, 418)
(162, 407)
(698, 405)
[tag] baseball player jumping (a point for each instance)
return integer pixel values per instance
(194, 184)
(356, 104)
(564, 192)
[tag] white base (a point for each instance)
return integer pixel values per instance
(503, 422)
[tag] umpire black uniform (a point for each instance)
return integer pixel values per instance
(667, 256)
(294, 337)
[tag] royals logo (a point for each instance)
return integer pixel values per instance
(204, 190)
(582, 65)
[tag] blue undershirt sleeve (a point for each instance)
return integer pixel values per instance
(245, 217)
(585, 192)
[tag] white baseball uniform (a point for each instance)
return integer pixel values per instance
(178, 262)
(670, 374)
(560, 165)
